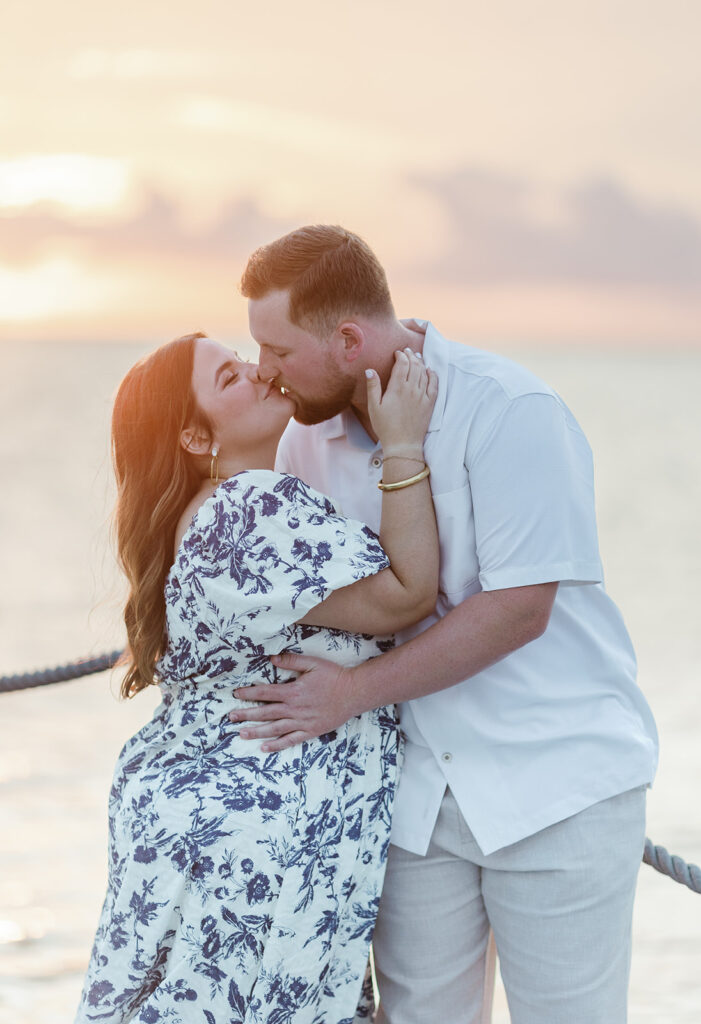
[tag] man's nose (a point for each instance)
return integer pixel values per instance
(267, 370)
(262, 378)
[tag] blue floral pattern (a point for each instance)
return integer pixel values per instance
(243, 886)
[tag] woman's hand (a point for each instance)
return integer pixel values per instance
(401, 415)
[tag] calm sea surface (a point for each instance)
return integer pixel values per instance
(60, 599)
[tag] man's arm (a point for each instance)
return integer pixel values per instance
(480, 631)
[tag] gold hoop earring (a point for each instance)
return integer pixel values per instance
(214, 465)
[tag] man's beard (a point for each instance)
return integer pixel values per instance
(338, 397)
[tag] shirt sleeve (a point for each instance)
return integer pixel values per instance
(270, 548)
(532, 484)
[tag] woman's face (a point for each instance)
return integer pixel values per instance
(247, 415)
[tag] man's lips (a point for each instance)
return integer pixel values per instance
(273, 388)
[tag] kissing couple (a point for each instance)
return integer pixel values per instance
(398, 705)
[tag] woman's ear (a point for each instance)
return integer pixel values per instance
(195, 441)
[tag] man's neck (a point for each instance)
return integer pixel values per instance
(383, 343)
(362, 416)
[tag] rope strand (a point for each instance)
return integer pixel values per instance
(669, 864)
(656, 856)
(60, 673)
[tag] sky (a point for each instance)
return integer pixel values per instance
(526, 172)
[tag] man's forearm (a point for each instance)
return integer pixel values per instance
(480, 631)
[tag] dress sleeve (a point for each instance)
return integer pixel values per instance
(266, 549)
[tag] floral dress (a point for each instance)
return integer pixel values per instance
(243, 886)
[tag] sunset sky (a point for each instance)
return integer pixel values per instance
(526, 171)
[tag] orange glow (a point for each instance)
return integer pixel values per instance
(72, 179)
(53, 287)
(540, 182)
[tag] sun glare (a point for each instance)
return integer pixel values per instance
(73, 179)
(52, 288)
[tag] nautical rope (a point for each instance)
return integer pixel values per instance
(656, 856)
(669, 864)
(59, 674)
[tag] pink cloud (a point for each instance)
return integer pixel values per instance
(603, 234)
(158, 229)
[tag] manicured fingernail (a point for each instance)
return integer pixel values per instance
(369, 374)
(244, 733)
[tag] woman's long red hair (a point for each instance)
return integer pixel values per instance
(156, 478)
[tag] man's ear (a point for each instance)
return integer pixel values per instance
(352, 339)
(195, 441)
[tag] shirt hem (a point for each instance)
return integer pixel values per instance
(498, 840)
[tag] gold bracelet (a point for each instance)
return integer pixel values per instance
(405, 483)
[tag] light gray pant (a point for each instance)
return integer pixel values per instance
(560, 904)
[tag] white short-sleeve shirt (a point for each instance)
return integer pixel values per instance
(559, 724)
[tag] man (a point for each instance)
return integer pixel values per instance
(528, 744)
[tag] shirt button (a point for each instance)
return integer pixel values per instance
(447, 756)
(377, 462)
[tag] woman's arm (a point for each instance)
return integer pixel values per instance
(480, 631)
(406, 592)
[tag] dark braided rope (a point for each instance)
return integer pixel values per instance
(669, 864)
(656, 856)
(59, 674)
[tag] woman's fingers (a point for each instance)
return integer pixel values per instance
(417, 370)
(432, 385)
(374, 391)
(400, 414)
(400, 370)
(407, 372)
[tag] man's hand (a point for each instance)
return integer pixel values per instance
(317, 702)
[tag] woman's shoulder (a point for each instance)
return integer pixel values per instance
(254, 494)
(284, 488)
(247, 500)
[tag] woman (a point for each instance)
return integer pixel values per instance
(243, 886)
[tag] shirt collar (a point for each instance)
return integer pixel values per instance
(436, 358)
(335, 427)
(347, 425)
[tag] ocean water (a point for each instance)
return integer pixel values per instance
(60, 599)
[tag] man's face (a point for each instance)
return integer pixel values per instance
(311, 371)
